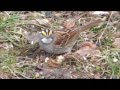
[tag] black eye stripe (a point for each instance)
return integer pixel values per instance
(48, 32)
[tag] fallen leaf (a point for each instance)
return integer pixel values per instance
(117, 34)
(68, 24)
(53, 63)
(5, 75)
(116, 43)
(75, 74)
(89, 44)
(88, 49)
(42, 21)
(97, 76)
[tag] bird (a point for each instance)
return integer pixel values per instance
(62, 41)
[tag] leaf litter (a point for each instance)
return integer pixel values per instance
(87, 60)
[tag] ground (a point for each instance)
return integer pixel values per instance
(95, 55)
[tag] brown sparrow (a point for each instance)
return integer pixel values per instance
(59, 42)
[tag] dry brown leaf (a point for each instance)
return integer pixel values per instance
(89, 44)
(87, 49)
(117, 34)
(55, 62)
(75, 74)
(68, 24)
(5, 75)
(97, 76)
(116, 43)
(43, 21)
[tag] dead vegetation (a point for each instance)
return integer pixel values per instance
(95, 55)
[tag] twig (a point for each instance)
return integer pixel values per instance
(88, 25)
(42, 25)
(98, 40)
(13, 73)
(25, 58)
(11, 40)
(6, 12)
(23, 76)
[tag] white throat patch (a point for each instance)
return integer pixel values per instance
(46, 40)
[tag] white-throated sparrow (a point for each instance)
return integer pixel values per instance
(58, 42)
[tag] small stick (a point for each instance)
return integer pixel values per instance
(89, 25)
